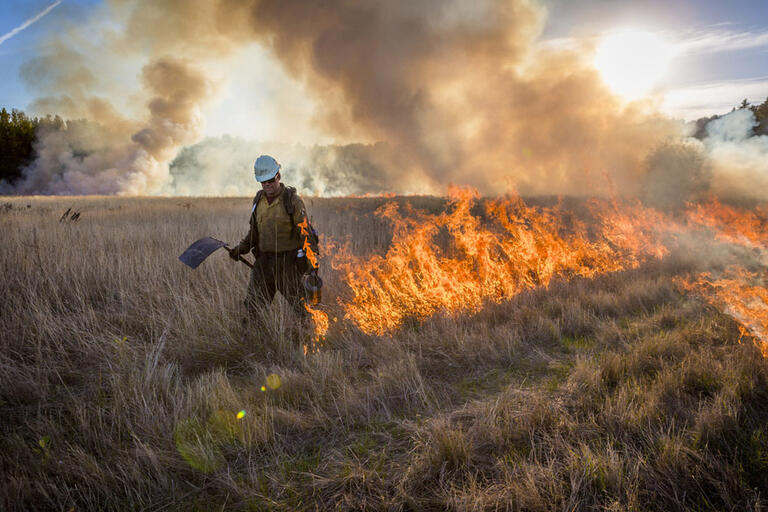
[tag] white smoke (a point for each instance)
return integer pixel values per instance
(739, 160)
(223, 166)
(114, 155)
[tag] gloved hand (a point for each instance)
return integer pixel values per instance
(234, 252)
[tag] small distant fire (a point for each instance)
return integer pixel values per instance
(367, 195)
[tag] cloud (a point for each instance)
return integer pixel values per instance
(699, 99)
(720, 40)
(708, 98)
(29, 22)
(714, 40)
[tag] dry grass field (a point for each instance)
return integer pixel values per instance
(122, 373)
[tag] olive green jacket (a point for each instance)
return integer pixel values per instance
(270, 226)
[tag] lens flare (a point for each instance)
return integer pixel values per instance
(241, 414)
(273, 381)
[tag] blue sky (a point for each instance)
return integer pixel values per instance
(24, 45)
(730, 60)
(676, 16)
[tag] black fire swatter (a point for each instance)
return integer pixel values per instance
(200, 250)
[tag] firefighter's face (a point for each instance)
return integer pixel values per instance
(272, 187)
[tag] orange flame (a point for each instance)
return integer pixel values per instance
(517, 248)
(512, 247)
(320, 324)
(748, 228)
(737, 295)
(319, 318)
(738, 292)
(311, 256)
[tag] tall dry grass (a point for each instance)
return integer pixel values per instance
(122, 370)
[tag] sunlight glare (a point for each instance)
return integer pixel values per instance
(632, 62)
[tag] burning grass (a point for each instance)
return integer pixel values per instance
(519, 248)
(574, 371)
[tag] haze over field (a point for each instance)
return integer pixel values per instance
(367, 98)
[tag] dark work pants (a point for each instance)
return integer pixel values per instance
(273, 272)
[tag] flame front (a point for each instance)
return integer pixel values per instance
(738, 292)
(738, 296)
(456, 261)
(732, 225)
(519, 248)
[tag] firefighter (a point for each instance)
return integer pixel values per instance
(276, 240)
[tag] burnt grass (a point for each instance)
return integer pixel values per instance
(121, 372)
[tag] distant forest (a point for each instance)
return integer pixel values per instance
(18, 133)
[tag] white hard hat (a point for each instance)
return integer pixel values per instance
(265, 168)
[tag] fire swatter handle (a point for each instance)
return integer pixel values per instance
(250, 265)
(240, 258)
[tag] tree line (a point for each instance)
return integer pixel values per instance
(18, 133)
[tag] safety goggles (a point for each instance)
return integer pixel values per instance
(270, 181)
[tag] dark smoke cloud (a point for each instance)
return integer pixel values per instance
(462, 93)
(434, 91)
(676, 174)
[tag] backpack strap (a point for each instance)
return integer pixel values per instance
(289, 206)
(288, 200)
(256, 199)
(254, 224)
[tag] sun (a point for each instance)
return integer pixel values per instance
(633, 62)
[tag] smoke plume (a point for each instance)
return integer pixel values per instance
(91, 158)
(462, 93)
(417, 95)
(220, 166)
(739, 160)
